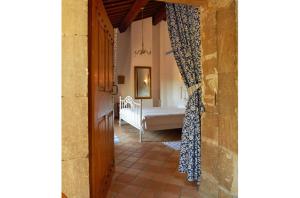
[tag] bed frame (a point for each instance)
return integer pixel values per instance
(137, 122)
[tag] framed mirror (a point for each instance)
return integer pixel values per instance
(142, 82)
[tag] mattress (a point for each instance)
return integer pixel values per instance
(156, 118)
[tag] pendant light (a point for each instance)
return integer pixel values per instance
(142, 51)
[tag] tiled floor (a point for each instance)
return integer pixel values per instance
(147, 169)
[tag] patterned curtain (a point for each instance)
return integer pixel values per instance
(184, 30)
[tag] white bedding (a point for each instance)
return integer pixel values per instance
(156, 118)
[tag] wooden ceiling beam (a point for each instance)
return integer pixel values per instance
(189, 2)
(135, 9)
(120, 12)
(119, 8)
(121, 3)
(159, 16)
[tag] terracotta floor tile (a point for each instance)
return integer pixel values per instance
(147, 174)
(162, 178)
(155, 169)
(137, 154)
(132, 159)
(127, 153)
(120, 195)
(121, 157)
(139, 166)
(111, 194)
(116, 187)
(152, 162)
(120, 169)
(126, 163)
(147, 193)
(178, 174)
(156, 186)
(125, 178)
(132, 150)
(157, 177)
(170, 165)
(131, 191)
(141, 181)
(176, 181)
(191, 193)
(133, 171)
(146, 170)
(168, 195)
(173, 189)
(188, 184)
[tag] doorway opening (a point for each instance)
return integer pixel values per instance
(135, 136)
(149, 114)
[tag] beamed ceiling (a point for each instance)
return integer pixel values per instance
(123, 12)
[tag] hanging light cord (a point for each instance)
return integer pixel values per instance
(142, 51)
(142, 29)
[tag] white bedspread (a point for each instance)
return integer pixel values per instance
(156, 118)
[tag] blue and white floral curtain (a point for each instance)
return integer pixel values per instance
(184, 30)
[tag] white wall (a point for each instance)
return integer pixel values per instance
(156, 65)
(167, 84)
(141, 60)
(123, 62)
(172, 89)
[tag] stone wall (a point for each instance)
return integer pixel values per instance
(219, 122)
(75, 163)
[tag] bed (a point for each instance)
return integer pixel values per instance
(149, 119)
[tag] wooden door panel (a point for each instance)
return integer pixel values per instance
(110, 69)
(101, 132)
(107, 63)
(98, 152)
(101, 66)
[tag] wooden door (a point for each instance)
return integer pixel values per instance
(101, 130)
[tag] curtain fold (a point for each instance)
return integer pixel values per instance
(184, 31)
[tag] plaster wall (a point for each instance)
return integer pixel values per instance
(126, 60)
(167, 86)
(172, 89)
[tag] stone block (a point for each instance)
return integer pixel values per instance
(225, 168)
(227, 40)
(210, 105)
(208, 187)
(223, 194)
(74, 127)
(226, 17)
(209, 45)
(210, 87)
(228, 132)
(210, 126)
(209, 33)
(223, 3)
(209, 66)
(75, 178)
(227, 83)
(234, 188)
(209, 23)
(209, 100)
(74, 66)
(227, 95)
(209, 158)
(75, 17)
